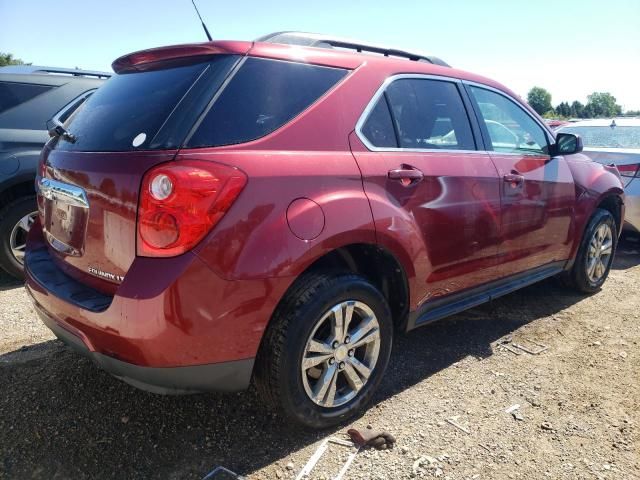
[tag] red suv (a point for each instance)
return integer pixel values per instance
(276, 210)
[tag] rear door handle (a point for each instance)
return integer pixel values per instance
(515, 179)
(407, 175)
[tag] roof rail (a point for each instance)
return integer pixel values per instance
(27, 69)
(327, 41)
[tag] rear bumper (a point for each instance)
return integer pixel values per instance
(221, 377)
(173, 325)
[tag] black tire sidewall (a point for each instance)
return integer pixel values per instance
(581, 278)
(295, 401)
(10, 215)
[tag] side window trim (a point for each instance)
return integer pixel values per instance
(485, 134)
(475, 133)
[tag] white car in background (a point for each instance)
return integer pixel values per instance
(615, 141)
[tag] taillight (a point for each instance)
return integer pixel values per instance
(181, 202)
(629, 170)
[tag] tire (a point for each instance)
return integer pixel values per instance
(279, 376)
(10, 215)
(579, 276)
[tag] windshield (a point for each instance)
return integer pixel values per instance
(131, 110)
(607, 137)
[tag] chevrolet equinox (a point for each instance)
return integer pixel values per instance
(275, 211)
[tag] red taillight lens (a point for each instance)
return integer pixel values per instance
(629, 170)
(181, 202)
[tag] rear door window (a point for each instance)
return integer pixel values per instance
(13, 94)
(429, 114)
(130, 109)
(261, 97)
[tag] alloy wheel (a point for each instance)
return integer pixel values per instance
(18, 237)
(340, 354)
(599, 253)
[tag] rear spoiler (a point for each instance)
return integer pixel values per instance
(175, 55)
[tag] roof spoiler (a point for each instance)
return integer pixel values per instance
(176, 55)
(327, 41)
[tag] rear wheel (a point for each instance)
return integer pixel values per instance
(15, 222)
(595, 254)
(326, 350)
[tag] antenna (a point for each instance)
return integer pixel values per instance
(202, 21)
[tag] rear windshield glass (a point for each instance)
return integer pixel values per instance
(13, 94)
(129, 110)
(607, 137)
(261, 97)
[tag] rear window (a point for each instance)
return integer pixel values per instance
(607, 137)
(13, 94)
(131, 109)
(261, 97)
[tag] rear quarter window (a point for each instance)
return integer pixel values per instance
(13, 94)
(261, 97)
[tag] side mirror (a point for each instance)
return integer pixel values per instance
(566, 144)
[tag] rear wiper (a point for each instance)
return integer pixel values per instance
(57, 130)
(60, 131)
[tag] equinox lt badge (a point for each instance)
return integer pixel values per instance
(108, 275)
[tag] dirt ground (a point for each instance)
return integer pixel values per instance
(579, 414)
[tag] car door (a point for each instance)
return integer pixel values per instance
(435, 198)
(537, 190)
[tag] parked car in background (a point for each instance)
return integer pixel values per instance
(276, 209)
(29, 97)
(555, 124)
(615, 141)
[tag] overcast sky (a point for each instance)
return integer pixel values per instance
(569, 47)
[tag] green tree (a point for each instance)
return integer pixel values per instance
(603, 104)
(9, 59)
(576, 110)
(540, 100)
(563, 109)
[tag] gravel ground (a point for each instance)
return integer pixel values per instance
(579, 414)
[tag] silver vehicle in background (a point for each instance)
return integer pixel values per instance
(615, 141)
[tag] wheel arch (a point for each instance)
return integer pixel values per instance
(373, 262)
(22, 186)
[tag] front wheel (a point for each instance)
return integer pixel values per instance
(326, 350)
(595, 255)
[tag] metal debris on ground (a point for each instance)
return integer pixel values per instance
(221, 473)
(541, 347)
(306, 470)
(453, 421)
(511, 349)
(512, 408)
(378, 439)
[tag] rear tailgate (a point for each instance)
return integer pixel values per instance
(93, 239)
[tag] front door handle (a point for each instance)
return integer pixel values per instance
(406, 174)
